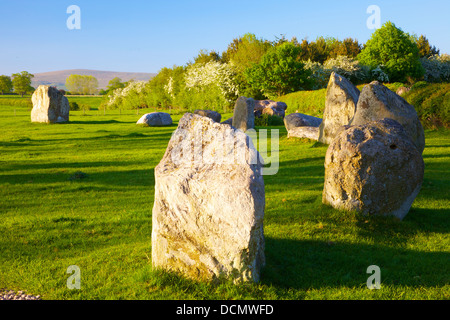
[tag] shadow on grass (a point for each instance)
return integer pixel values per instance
(313, 265)
(133, 177)
(97, 122)
(163, 137)
(318, 264)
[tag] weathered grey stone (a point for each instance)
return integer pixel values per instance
(377, 102)
(210, 114)
(229, 121)
(374, 169)
(311, 133)
(340, 106)
(155, 119)
(49, 105)
(208, 215)
(243, 116)
(270, 107)
(295, 120)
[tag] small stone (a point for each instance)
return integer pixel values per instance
(155, 119)
(214, 115)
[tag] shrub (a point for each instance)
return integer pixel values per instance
(419, 84)
(379, 74)
(133, 96)
(73, 106)
(348, 68)
(319, 74)
(437, 68)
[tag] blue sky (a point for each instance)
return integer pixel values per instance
(144, 36)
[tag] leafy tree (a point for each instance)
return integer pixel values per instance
(348, 47)
(6, 84)
(22, 82)
(304, 51)
(241, 54)
(279, 72)
(81, 84)
(318, 50)
(394, 51)
(205, 56)
(115, 83)
(246, 50)
(211, 85)
(425, 49)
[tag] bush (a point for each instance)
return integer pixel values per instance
(85, 107)
(437, 68)
(349, 68)
(266, 120)
(419, 84)
(73, 106)
(133, 96)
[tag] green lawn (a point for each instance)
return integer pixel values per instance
(51, 218)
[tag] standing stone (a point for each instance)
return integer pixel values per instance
(209, 203)
(210, 114)
(49, 105)
(373, 169)
(377, 102)
(340, 106)
(243, 116)
(155, 119)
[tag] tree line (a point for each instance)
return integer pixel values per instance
(19, 83)
(259, 68)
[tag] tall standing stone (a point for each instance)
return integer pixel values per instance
(209, 203)
(377, 102)
(49, 105)
(244, 116)
(340, 106)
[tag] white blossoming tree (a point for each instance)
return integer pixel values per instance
(210, 85)
(437, 68)
(130, 97)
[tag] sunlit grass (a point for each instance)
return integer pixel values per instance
(51, 217)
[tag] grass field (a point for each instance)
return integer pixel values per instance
(52, 217)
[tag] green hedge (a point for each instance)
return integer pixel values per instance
(18, 102)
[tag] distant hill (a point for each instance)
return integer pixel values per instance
(58, 78)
